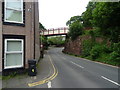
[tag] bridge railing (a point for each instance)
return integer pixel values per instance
(55, 31)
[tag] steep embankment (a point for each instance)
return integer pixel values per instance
(93, 48)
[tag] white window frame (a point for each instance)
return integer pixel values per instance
(5, 14)
(13, 52)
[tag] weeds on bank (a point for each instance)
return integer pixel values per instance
(0, 77)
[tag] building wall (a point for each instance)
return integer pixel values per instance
(27, 31)
(37, 35)
(0, 36)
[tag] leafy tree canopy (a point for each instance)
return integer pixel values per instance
(74, 19)
(106, 16)
(75, 29)
(58, 40)
(87, 15)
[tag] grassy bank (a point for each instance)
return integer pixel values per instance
(99, 48)
(0, 77)
(101, 60)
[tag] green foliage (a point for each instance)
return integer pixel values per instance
(115, 56)
(15, 75)
(115, 47)
(75, 30)
(106, 16)
(97, 32)
(44, 39)
(87, 15)
(44, 42)
(56, 41)
(115, 34)
(41, 27)
(74, 19)
(0, 77)
(93, 32)
(96, 50)
(87, 46)
(102, 52)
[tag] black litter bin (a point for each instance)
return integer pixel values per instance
(32, 68)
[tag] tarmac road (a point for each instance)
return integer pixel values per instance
(74, 72)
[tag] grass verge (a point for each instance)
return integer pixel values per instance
(103, 59)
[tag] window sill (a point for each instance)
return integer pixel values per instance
(14, 24)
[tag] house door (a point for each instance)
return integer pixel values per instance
(13, 53)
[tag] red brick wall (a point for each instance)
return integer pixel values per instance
(75, 47)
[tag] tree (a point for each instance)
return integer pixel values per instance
(106, 16)
(75, 29)
(74, 19)
(87, 15)
(58, 40)
(41, 27)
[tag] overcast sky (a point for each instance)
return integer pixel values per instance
(55, 13)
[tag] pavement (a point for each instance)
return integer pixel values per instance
(45, 72)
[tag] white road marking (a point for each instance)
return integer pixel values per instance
(110, 80)
(98, 62)
(76, 64)
(49, 84)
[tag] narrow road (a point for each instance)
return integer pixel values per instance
(75, 72)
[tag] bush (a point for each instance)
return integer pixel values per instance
(87, 46)
(93, 32)
(99, 49)
(114, 56)
(95, 51)
(106, 49)
(97, 32)
(116, 47)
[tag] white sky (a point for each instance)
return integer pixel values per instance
(55, 13)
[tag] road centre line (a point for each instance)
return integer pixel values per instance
(110, 81)
(76, 64)
(47, 79)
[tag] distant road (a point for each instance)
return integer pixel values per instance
(75, 72)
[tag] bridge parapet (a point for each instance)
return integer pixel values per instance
(57, 31)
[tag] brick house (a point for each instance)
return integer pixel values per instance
(19, 34)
